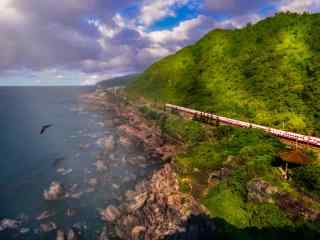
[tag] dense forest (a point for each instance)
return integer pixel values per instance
(267, 73)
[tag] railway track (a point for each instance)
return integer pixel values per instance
(309, 140)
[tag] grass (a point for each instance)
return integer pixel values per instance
(223, 203)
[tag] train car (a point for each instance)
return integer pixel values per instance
(314, 141)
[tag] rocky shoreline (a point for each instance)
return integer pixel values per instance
(155, 207)
(142, 198)
(153, 210)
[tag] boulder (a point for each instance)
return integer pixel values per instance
(110, 214)
(93, 182)
(55, 192)
(60, 235)
(260, 191)
(130, 221)
(48, 227)
(100, 166)
(45, 215)
(109, 143)
(24, 230)
(125, 141)
(138, 202)
(174, 200)
(130, 195)
(115, 186)
(76, 195)
(73, 235)
(137, 232)
(8, 224)
(103, 235)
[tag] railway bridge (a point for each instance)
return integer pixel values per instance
(309, 140)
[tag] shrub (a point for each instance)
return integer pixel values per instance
(204, 156)
(224, 203)
(150, 114)
(188, 131)
(309, 177)
(267, 215)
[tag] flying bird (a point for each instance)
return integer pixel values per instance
(44, 128)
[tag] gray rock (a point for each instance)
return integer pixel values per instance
(260, 191)
(80, 226)
(76, 195)
(24, 230)
(45, 215)
(8, 224)
(55, 192)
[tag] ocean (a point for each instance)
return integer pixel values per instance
(66, 153)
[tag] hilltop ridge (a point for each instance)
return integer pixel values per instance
(267, 73)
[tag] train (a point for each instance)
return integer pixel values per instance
(309, 140)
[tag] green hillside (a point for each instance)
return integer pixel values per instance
(268, 73)
(117, 82)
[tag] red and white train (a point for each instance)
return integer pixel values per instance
(314, 141)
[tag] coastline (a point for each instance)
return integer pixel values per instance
(155, 208)
(165, 143)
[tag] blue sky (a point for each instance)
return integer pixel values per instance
(81, 42)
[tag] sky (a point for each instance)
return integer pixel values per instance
(81, 42)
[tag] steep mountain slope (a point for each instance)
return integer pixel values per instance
(268, 73)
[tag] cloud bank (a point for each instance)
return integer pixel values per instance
(102, 38)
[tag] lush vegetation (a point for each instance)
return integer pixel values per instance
(231, 145)
(243, 155)
(267, 73)
(246, 153)
(308, 177)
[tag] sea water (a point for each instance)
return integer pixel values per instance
(29, 162)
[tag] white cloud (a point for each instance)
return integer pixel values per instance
(152, 52)
(181, 32)
(154, 10)
(300, 6)
(59, 76)
(8, 13)
(132, 46)
(239, 22)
